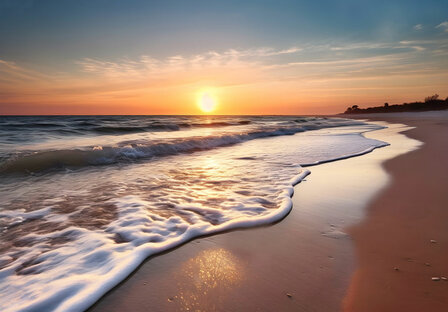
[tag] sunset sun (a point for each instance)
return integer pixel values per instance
(206, 102)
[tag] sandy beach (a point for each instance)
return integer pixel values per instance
(358, 239)
(402, 244)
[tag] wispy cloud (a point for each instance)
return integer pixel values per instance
(385, 46)
(12, 73)
(418, 27)
(361, 45)
(227, 62)
(443, 26)
(147, 66)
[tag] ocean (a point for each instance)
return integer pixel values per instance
(85, 199)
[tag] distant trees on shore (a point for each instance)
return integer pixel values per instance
(431, 98)
(430, 103)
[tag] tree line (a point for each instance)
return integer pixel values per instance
(430, 103)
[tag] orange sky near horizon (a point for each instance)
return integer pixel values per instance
(244, 82)
(248, 87)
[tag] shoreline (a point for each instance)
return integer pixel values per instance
(156, 283)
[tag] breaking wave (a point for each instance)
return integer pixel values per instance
(31, 162)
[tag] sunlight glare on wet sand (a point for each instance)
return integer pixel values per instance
(206, 279)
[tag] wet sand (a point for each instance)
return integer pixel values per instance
(306, 261)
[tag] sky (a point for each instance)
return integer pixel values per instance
(251, 57)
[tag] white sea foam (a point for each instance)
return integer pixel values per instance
(79, 272)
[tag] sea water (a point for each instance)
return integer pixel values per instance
(85, 199)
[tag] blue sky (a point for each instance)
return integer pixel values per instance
(60, 36)
(59, 30)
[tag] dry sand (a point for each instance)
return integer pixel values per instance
(306, 261)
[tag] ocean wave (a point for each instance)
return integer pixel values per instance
(165, 127)
(37, 161)
(219, 124)
(104, 128)
(130, 129)
(32, 125)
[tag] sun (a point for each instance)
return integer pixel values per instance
(206, 102)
